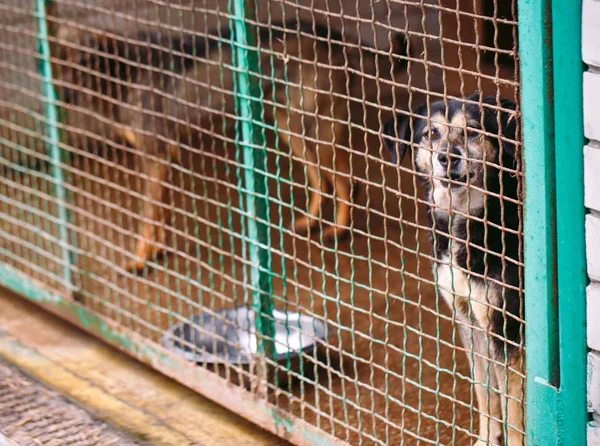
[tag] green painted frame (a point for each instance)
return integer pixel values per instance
(253, 144)
(56, 154)
(555, 273)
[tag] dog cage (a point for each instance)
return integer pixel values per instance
(204, 185)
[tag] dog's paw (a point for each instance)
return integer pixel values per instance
(305, 224)
(490, 442)
(144, 254)
(136, 266)
(335, 233)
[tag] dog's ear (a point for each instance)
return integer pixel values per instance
(502, 122)
(396, 137)
(400, 51)
(508, 118)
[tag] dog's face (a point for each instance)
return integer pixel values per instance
(456, 146)
(85, 61)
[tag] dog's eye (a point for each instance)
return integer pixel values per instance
(434, 134)
(472, 133)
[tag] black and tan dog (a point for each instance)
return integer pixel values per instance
(158, 92)
(465, 154)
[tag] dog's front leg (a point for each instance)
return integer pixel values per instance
(152, 237)
(484, 381)
(511, 385)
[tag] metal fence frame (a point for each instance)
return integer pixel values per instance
(555, 276)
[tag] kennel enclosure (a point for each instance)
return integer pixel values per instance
(391, 369)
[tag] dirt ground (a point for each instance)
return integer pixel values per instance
(392, 371)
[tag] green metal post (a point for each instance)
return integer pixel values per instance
(550, 51)
(570, 211)
(540, 213)
(57, 156)
(253, 144)
(539, 225)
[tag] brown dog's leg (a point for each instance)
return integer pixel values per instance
(337, 170)
(342, 191)
(318, 185)
(316, 182)
(156, 214)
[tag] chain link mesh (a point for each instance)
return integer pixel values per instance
(393, 369)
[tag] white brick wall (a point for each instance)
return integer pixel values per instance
(591, 31)
(593, 307)
(592, 179)
(592, 241)
(591, 152)
(591, 105)
(593, 387)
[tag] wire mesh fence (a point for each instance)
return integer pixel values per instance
(214, 160)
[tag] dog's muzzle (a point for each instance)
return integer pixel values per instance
(450, 165)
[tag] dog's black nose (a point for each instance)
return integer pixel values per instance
(443, 159)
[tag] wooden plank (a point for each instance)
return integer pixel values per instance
(115, 387)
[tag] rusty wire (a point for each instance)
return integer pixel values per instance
(393, 370)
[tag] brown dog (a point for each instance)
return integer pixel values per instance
(159, 91)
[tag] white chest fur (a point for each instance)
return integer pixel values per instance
(461, 199)
(460, 290)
